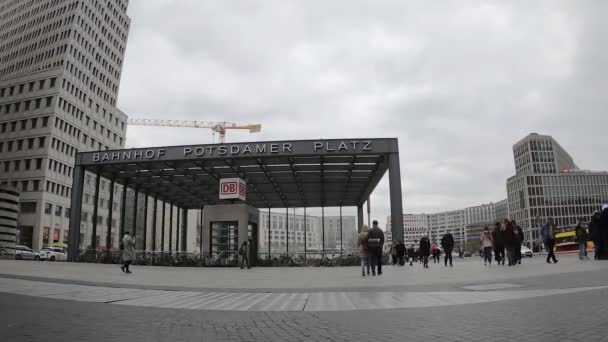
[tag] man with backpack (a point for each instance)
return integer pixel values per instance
(375, 242)
(447, 243)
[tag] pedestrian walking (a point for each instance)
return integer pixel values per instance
(595, 234)
(509, 240)
(487, 243)
(548, 235)
(581, 237)
(375, 242)
(401, 253)
(425, 250)
(363, 253)
(411, 254)
(435, 253)
(395, 253)
(518, 241)
(244, 253)
(447, 243)
(128, 252)
(499, 244)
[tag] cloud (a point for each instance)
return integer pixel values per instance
(457, 83)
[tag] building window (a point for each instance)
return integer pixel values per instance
(58, 210)
(27, 207)
(48, 207)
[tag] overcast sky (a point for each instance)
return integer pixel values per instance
(457, 82)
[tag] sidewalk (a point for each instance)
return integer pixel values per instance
(469, 271)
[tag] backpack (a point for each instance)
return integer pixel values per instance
(580, 236)
(241, 251)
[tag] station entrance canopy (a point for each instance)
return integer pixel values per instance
(278, 174)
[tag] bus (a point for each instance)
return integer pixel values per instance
(565, 242)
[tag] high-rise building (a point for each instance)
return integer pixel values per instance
(547, 183)
(60, 69)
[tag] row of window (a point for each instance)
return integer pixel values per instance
(21, 165)
(84, 217)
(84, 42)
(27, 185)
(22, 144)
(24, 125)
(81, 95)
(103, 203)
(58, 189)
(88, 64)
(32, 86)
(32, 12)
(25, 61)
(35, 45)
(63, 147)
(48, 209)
(26, 105)
(59, 167)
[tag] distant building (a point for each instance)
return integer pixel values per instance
(298, 234)
(548, 183)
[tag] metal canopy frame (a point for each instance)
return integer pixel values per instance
(279, 174)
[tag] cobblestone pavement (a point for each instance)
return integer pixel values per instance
(574, 317)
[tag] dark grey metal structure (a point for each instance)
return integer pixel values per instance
(279, 174)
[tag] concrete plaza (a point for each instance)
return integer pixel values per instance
(468, 302)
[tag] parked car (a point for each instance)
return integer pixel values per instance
(526, 252)
(25, 253)
(53, 254)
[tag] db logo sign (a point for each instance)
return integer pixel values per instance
(233, 188)
(229, 188)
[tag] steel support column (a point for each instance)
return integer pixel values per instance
(110, 212)
(185, 230)
(395, 196)
(145, 245)
(323, 230)
(171, 228)
(341, 235)
(201, 231)
(269, 234)
(369, 214)
(95, 210)
(154, 213)
(162, 230)
(177, 229)
(360, 218)
(123, 209)
(134, 232)
(305, 233)
(75, 213)
(287, 227)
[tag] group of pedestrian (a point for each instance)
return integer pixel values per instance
(370, 243)
(505, 241)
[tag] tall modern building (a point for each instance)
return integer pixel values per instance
(60, 68)
(548, 183)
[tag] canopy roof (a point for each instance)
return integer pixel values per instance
(279, 174)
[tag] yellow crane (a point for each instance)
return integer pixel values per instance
(216, 127)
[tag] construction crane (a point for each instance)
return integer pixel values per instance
(216, 127)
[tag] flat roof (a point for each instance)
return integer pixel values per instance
(279, 174)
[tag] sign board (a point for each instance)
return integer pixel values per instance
(233, 188)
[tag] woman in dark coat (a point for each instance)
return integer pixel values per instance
(595, 233)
